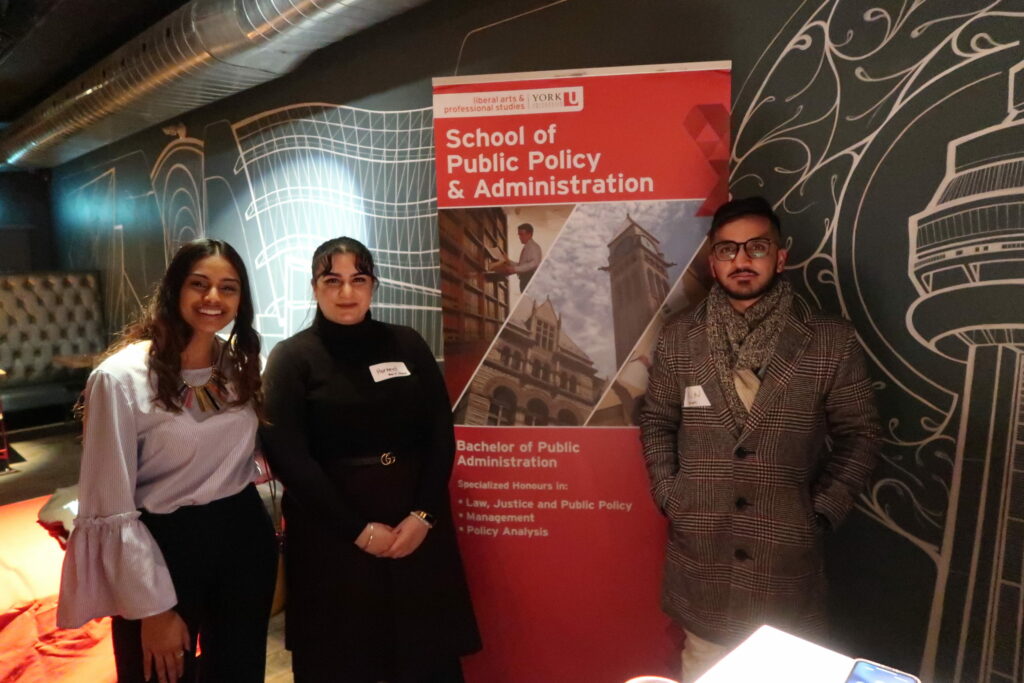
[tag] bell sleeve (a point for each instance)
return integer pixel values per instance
(113, 565)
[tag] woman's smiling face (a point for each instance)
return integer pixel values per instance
(210, 295)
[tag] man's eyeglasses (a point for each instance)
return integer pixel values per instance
(726, 250)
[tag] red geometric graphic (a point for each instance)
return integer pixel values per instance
(708, 125)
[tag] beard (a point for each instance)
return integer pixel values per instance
(744, 294)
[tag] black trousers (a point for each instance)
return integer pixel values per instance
(222, 558)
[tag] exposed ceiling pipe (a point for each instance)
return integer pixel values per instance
(202, 52)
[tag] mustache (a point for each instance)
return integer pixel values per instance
(742, 271)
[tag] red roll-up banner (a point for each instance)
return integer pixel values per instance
(572, 209)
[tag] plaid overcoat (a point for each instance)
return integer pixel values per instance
(748, 508)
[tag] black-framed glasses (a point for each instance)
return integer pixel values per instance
(757, 247)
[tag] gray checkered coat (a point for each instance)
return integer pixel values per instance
(747, 513)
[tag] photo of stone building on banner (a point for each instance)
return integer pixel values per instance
(604, 279)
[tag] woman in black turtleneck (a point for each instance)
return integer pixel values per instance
(361, 436)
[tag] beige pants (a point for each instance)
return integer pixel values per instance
(699, 655)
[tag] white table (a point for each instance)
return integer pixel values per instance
(774, 656)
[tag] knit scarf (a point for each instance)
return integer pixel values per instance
(742, 343)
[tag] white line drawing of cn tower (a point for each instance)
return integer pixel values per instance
(967, 263)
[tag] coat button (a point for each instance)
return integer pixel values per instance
(741, 554)
(741, 503)
(742, 452)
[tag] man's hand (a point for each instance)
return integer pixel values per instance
(408, 536)
(375, 538)
(164, 642)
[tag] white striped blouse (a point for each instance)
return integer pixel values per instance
(135, 456)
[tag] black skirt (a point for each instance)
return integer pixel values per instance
(354, 611)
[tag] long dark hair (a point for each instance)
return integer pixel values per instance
(324, 254)
(160, 322)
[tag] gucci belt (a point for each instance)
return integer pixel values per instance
(385, 459)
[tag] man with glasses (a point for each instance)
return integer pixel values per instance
(759, 431)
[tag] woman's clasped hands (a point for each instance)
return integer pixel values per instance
(381, 540)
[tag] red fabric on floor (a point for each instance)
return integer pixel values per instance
(32, 648)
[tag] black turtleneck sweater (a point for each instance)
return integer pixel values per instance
(324, 407)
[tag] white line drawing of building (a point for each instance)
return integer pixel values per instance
(967, 263)
(98, 196)
(313, 171)
(317, 171)
(177, 178)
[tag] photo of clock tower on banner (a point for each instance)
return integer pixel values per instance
(573, 208)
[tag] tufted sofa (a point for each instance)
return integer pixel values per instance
(42, 315)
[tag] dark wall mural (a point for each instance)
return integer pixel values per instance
(891, 138)
(889, 135)
(26, 231)
(275, 185)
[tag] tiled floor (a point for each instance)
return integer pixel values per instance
(52, 462)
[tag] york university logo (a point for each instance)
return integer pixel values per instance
(569, 99)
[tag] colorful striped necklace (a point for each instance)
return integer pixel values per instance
(210, 395)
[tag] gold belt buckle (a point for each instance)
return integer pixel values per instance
(387, 459)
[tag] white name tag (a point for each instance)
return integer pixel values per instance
(694, 397)
(383, 371)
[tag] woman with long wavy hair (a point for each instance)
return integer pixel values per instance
(171, 538)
